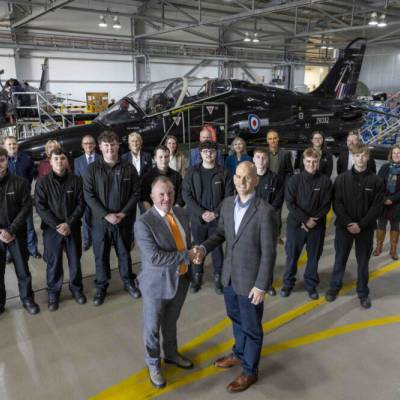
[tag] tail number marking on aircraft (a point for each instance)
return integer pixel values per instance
(322, 120)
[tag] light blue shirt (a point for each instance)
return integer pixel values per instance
(240, 210)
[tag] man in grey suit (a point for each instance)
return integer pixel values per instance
(163, 237)
(249, 226)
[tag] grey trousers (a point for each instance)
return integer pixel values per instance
(164, 314)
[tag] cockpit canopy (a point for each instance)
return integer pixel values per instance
(163, 96)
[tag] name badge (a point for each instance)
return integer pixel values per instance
(10, 193)
(317, 189)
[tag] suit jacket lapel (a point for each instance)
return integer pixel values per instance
(246, 218)
(229, 221)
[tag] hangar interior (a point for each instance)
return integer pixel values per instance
(312, 350)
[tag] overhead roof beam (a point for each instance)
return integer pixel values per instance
(236, 17)
(37, 14)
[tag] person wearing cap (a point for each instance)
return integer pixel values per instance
(204, 188)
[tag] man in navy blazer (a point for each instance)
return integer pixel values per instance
(20, 164)
(80, 165)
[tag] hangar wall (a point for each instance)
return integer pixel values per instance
(380, 70)
(76, 73)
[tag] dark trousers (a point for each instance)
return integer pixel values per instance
(201, 232)
(54, 243)
(343, 244)
(142, 210)
(105, 235)
(279, 215)
(296, 238)
(87, 227)
(247, 329)
(17, 249)
(162, 314)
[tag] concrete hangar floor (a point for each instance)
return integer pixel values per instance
(312, 350)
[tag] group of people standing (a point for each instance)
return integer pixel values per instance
(193, 207)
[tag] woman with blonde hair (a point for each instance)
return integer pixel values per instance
(390, 173)
(177, 161)
(238, 155)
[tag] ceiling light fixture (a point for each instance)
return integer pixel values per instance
(247, 37)
(255, 38)
(116, 23)
(103, 22)
(382, 21)
(373, 21)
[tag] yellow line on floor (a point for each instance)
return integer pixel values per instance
(139, 386)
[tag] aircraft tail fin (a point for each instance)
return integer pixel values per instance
(45, 75)
(341, 81)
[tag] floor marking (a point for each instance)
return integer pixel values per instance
(139, 385)
(174, 383)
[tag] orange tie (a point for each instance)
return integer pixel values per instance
(180, 244)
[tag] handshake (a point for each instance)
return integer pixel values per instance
(197, 254)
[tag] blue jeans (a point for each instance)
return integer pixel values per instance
(247, 329)
(31, 235)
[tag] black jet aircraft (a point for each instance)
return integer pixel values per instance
(237, 107)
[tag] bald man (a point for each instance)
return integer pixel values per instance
(248, 225)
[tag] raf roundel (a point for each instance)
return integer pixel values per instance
(254, 123)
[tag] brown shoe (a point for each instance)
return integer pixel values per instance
(241, 383)
(227, 362)
(280, 241)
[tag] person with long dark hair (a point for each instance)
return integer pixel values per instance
(326, 159)
(390, 173)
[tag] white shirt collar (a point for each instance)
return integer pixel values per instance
(163, 213)
(136, 157)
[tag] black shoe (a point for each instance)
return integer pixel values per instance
(286, 291)
(79, 297)
(197, 280)
(271, 291)
(365, 302)
(99, 297)
(36, 255)
(133, 290)
(31, 306)
(331, 295)
(2, 309)
(313, 294)
(180, 361)
(86, 246)
(9, 260)
(218, 284)
(53, 303)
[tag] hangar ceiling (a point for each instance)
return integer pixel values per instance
(288, 31)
